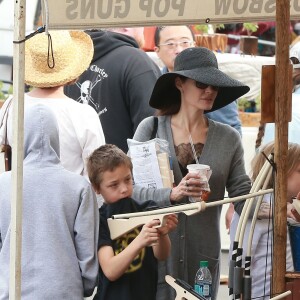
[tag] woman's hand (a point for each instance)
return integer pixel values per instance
(189, 186)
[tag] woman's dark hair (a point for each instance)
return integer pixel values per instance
(160, 28)
(175, 107)
(171, 110)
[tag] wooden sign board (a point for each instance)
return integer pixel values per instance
(87, 14)
(268, 94)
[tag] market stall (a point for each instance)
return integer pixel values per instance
(79, 15)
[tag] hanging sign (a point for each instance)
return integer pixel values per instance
(87, 14)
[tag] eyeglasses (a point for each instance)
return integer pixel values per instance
(204, 86)
(173, 45)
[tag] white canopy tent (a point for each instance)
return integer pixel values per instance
(75, 14)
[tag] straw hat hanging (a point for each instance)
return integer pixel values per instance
(72, 55)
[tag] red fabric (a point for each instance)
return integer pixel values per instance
(149, 38)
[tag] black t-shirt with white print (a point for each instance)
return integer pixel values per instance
(140, 280)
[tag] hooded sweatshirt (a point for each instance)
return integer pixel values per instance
(60, 219)
(118, 84)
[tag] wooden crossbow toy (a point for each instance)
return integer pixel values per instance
(124, 223)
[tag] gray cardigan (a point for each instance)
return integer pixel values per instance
(197, 237)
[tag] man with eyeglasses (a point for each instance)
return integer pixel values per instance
(169, 42)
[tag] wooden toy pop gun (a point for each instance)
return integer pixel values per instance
(123, 223)
(183, 290)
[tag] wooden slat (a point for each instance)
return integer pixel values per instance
(281, 143)
(17, 152)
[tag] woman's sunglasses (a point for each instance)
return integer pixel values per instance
(204, 86)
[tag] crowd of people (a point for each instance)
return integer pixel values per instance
(91, 91)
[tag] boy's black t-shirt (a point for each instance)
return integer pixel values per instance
(140, 280)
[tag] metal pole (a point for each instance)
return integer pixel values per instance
(17, 151)
(282, 107)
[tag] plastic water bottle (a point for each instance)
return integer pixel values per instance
(203, 281)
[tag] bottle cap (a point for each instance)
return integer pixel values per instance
(203, 263)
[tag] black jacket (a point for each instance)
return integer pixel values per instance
(118, 84)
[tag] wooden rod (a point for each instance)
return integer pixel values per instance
(282, 94)
(281, 296)
(17, 151)
(192, 206)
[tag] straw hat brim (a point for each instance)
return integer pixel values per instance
(79, 60)
(165, 93)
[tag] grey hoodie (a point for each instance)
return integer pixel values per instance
(60, 219)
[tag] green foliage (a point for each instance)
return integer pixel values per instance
(1, 93)
(204, 27)
(220, 26)
(250, 27)
(244, 103)
(4, 93)
(258, 102)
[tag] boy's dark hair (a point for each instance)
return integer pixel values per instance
(158, 29)
(105, 158)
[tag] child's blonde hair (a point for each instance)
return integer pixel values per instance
(293, 159)
(106, 158)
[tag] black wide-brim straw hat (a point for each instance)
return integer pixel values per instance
(199, 64)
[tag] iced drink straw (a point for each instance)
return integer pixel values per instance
(193, 149)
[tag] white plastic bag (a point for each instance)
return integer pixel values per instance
(151, 163)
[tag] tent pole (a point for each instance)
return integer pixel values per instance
(17, 151)
(282, 107)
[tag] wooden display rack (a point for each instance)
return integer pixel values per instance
(215, 42)
(250, 119)
(293, 284)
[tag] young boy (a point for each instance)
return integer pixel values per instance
(128, 265)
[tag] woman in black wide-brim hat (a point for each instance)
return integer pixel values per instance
(182, 98)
